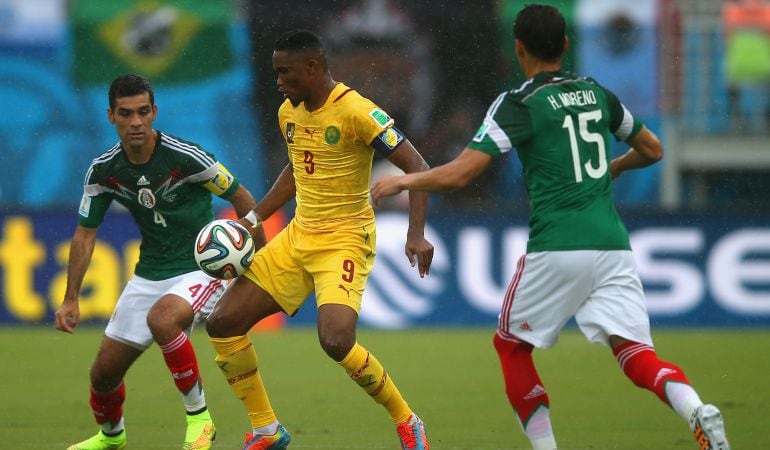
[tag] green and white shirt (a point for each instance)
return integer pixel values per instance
(169, 197)
(560, 125)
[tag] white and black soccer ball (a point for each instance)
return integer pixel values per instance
(224, 249)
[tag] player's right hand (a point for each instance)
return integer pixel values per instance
(384, 187)
(67, 316)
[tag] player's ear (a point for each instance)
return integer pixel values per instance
(312, 66)
(566, 45)
(520, 49)
(110, 116)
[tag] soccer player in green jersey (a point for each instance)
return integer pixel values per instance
(166, 184)
(331, 132)
(578, 261)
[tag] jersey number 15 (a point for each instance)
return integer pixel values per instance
(586, 137)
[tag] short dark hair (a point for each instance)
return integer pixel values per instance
(128, 86)
(541, 28)
(295, 40)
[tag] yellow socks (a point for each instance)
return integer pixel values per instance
(365, 370)
(238, 361)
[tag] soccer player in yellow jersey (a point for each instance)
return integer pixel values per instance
(328, 248)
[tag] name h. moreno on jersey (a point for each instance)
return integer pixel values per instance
(576, 98)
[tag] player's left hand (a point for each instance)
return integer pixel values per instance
(386, 186)
(420, 252)
(67, 316)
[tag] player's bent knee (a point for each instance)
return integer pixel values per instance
(169, 315)
(338, 345)
(216, 327)
(223, 325)
(104, 379)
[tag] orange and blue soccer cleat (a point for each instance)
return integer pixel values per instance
(709, 429)
(278, 441)
(101, 441)
(412, 434)
(201, 432)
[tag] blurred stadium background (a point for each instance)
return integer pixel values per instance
(699, 220)
(697, 72)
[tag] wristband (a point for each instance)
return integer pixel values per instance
(253, 218)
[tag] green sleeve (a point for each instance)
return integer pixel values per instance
(507, 125)
(92, 210)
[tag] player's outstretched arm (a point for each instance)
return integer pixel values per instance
(81, 249)
(452, 175)
(418, 250)
(645, 150)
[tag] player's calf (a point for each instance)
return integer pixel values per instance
(641, 365)
(526, 391)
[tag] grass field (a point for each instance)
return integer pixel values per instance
(451, 378)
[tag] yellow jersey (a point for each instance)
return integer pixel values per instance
(330, 151)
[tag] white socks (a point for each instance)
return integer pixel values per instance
(683, 399)
(539, 430)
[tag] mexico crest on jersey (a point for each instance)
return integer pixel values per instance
(146, 198)
(290, 132)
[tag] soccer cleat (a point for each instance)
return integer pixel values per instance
(101, 442)
(412, 434)
(278, 441)
(709, 429)
(200, 432)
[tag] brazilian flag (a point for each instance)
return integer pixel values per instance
(169, 42)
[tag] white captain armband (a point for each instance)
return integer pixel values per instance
(387, 142)
(253, 218)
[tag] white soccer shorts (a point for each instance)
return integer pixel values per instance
(128, 323)
(599, 288)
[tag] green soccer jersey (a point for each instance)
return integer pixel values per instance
(169, 197)
(560, 125)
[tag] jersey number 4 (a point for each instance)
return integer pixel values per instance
(586, 137)
(159, 219)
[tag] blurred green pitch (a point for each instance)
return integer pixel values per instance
(450, 377)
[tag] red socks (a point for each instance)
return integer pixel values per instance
(108, 406)
(642, 366)
(180, 359)
(523, 387)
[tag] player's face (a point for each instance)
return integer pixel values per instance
(133, 117)
(293, 72)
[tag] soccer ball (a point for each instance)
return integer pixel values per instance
(224, 249)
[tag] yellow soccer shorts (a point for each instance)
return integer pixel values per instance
(334, 264)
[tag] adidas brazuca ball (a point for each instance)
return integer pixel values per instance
(224, 249)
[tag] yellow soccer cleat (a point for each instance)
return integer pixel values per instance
(200, 432)
(101, 442)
